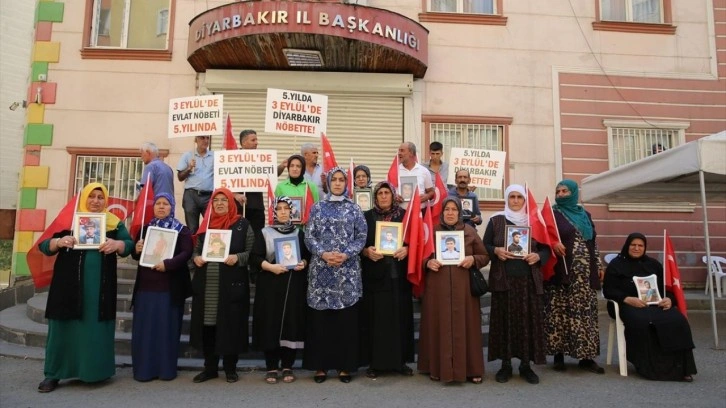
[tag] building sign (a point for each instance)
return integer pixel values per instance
(195, 116)
(486, 167)
(296, 113)
(245, 170)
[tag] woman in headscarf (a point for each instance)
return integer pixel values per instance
(81, 308)
(221, 302)
(450, 346)
(158, 300)
(658, 337)
(571, 323)
(278, 326)
(387, 307)
(361, 177)
(296, 185)
(335, 236)
(516, 327)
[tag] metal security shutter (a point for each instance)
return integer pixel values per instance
(367, 128)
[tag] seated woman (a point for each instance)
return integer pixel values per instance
(658, 337)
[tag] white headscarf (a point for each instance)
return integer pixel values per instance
(517, 217)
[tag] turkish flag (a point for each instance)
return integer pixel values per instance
(120, 207)
(672, 275)
(351, 177)
(440, 193)
(143, 209)
(414, 237)
(229, 142)
(393, 172)
(428, 225)
(309, 201)
(328, 156)
(548, 269)
(537, 224)
(270, 205)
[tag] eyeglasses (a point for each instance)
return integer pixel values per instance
(220, 200)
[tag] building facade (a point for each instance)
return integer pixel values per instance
(567, 88)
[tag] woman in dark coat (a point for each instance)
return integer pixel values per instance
(516, 328)
(658, 337)
(450, 346)
(158, 301)
(386, 326)
(278, 326)
(221, 302)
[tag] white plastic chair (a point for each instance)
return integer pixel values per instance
(716, 270)
(617, 329)
(609, 258)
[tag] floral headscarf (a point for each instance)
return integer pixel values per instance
(395, 211)
(344, 195)
(287, 227)
(169, 222)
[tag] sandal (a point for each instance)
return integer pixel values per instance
(288, 376)
(434, 378)
(271, 377)
(688, 378)
(475, 380)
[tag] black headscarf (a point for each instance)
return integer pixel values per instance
(296, 180)
(628, 266)
(460, 222)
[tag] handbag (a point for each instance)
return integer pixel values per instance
(478, 285)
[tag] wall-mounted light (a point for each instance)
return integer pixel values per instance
(38, 95)
(15, 105)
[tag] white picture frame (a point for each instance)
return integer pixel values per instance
(159, 244)
(445, 253)
(89, 223)
(216, 245)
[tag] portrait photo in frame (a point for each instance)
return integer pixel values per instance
(287, 251)
(159, 245)
(389, 237)
(407, 187)
(216, 245)
(89, 229)
(517, 240)
(363, 197)
(450, 247)
(467, 207)
(296, 210)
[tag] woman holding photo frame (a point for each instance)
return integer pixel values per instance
(278, 326)
(517, 327)
(158, 298)
(450, 347)
(81, 308)
(386, 326)
(221, 299)
(296, 185)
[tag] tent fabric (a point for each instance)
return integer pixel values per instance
(669, 176)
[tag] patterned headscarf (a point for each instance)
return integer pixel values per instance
(574, 212)
(169, 222)
(517, 217)
(287, 227)
(367, 171)
(224, 221)
(112, 221)
(395, 211)
(344, 195)
(458, 207)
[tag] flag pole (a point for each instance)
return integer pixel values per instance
(559, 237)
(665, 261)
(143, 208)
(75, 210)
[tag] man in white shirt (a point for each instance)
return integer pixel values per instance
(407, 166)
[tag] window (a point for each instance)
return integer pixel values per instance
(128, 29)
(463, 12)
(119, 174)
(472, 132)
(641, 16)
(631, 141)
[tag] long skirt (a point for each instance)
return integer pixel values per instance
(516, 323)
(332, 339)
(387, 328)
(155, 336)
(658, 342)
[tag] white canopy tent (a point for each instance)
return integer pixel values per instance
(695, 171)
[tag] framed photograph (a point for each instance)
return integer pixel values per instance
(407, 185)
(648, 289)
(364, 198)
(467, 207)
(296, 210)
(216, 245)
(518, 240)
(389, 237)
(89, 230)
(450, 247)
(287, 251)
(159, 245)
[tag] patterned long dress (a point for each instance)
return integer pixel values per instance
(571, 323)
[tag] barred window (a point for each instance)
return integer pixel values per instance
(119, 174)
(629, 142)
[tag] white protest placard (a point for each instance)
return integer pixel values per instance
(486, 167)
(245, 170)
(199, 115)
(296, 113)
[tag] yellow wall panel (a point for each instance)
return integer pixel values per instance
(24, 240)
(46, 51)
(36, 113)
(35, 176)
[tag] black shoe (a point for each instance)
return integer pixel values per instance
(591, 366)
(320, 378)
(559, 362)
(504, 374)
(371, 373)
(232, 376)
(205, 376)
(345, 378)
(406, 370)
(528, 375)
(48, 385)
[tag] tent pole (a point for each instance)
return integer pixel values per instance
(708, 257)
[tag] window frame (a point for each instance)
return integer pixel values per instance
(666, 27)
(89, 51)
(497, 18)
(505, 122)
(678, 127)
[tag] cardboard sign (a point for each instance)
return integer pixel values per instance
(296, 113)
(195, 116)
(245, 170)
(486, 167)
